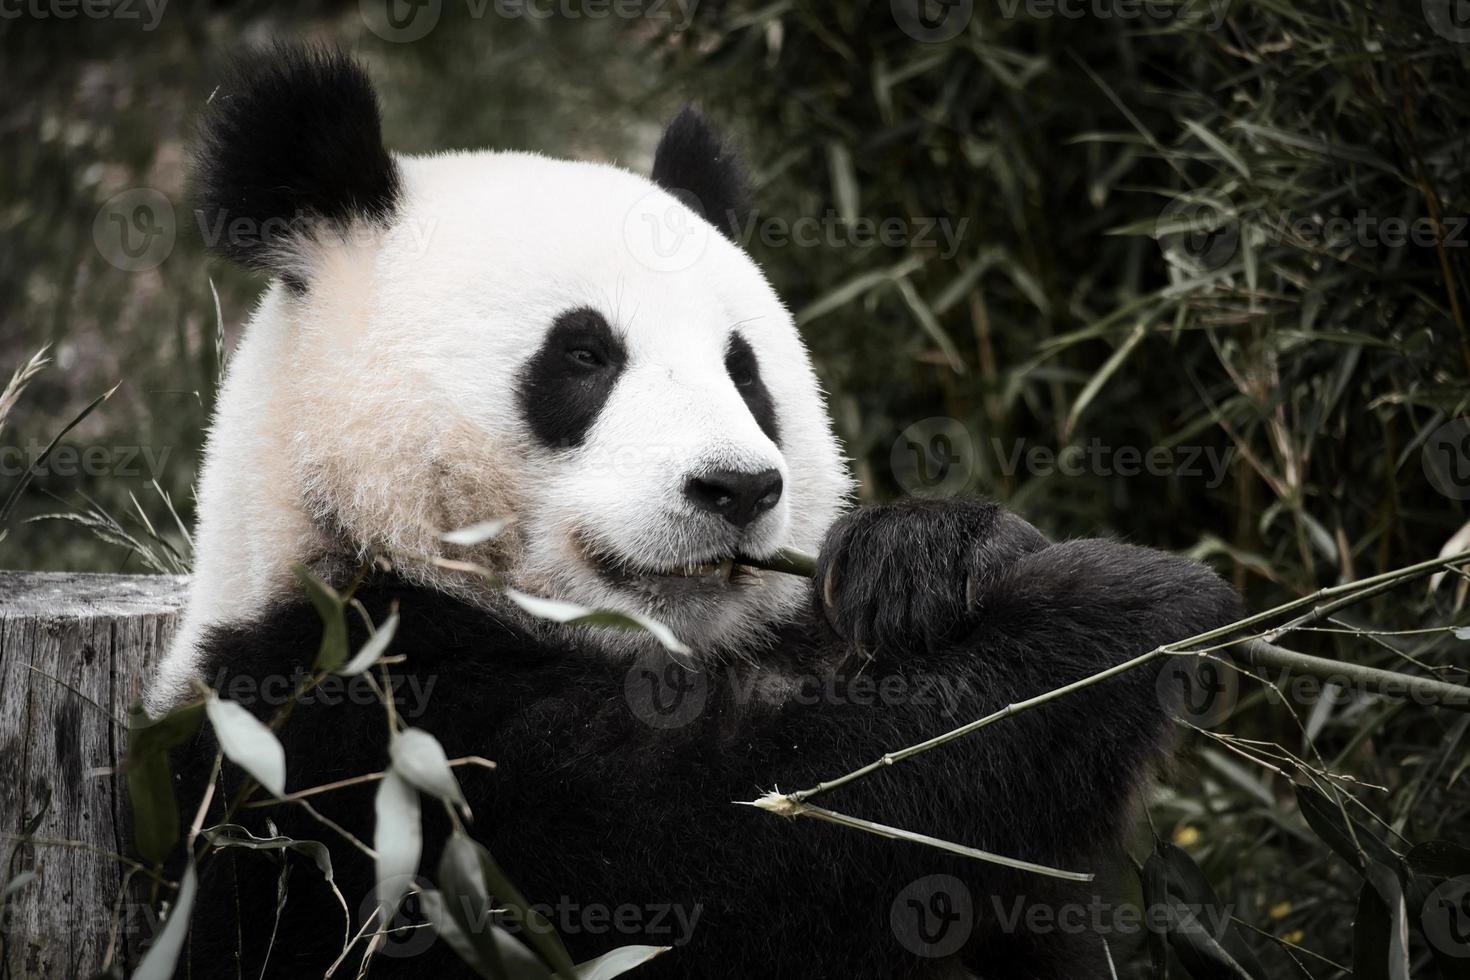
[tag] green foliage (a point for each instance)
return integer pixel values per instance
(1068, 145)
(471, 886)
(1179, 239)
(150, 778)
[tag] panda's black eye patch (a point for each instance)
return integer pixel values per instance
(745, 372)
(566, 382)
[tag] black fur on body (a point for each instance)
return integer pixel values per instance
(592, 807)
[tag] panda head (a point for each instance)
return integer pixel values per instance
(464, 336)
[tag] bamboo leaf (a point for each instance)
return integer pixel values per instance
(248, 743)
(573, 614)
(397, 839)
(930, 324)
(1201, 931)
(1221, 148)
(162, 957)
(333, 612)
(475, 533)
(150, 777)
(844, 181)
(1096, 383)
(855, 287)
(419, 758)
(1327, 820)
(373, 650)
(1381, 930)
(618, 961)
(467, 870)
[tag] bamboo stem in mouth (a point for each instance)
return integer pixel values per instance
(788, 560)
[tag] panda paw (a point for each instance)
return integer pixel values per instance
(909, 576)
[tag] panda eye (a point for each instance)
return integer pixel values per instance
(586, 357)
(740, 366)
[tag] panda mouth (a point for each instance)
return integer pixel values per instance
(716, 572)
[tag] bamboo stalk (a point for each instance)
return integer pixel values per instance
(1386, 682)
(783, 806)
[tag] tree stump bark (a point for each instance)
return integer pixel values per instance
(75, 653)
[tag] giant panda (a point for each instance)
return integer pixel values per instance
(586, 354)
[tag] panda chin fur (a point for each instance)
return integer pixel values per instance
(471, 336)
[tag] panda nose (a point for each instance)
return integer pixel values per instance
(737, 497)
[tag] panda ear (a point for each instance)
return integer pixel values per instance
(290, 147)
(693, 163)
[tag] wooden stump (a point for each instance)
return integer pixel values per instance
(75, 653)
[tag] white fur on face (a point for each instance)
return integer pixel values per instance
(380, 408)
